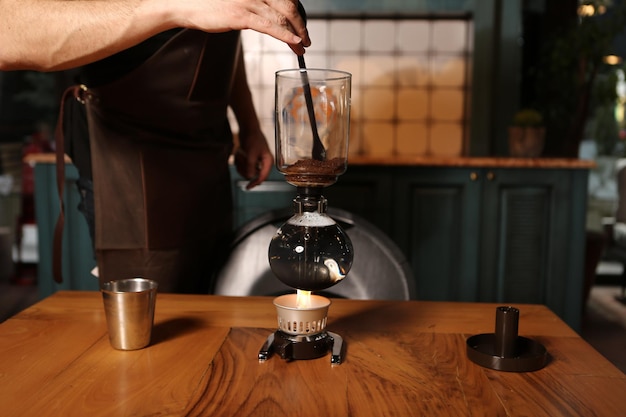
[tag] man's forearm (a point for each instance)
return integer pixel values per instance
(60, 34)
(51, 35)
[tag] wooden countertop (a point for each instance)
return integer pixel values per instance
(43, 158)
(473, 162)
(403, 358)
(460, 162)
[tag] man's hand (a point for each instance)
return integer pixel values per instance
(277, 18)
(253, 159)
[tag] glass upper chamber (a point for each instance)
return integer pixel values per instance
(312, 141)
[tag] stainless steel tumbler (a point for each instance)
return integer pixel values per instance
(129, 309)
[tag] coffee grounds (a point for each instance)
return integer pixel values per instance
(333, 166)
(314, 173)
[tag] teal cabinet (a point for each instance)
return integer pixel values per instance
(273, 194)
(503, 235)
(77, 254)
(368, 193)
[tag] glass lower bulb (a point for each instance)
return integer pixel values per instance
(310, 252)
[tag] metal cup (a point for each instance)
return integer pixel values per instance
(129, 309)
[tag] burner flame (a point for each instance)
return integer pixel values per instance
(303, 299)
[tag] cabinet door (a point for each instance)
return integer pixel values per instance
(533, 239)
(436, 225)
(365, 191)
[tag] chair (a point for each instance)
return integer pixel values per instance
(615, 228)
(379, 269)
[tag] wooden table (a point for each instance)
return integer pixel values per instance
(403, 359)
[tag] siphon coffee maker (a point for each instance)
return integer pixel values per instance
(310, 251)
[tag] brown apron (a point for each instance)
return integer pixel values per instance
(160, 143)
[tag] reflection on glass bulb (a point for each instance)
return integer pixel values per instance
(296, 117)
(336, 274)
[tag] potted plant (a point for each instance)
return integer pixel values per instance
(526, 135)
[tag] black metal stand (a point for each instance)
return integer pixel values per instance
(297, 347)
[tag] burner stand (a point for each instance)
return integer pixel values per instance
(296, 347)
(302, 331)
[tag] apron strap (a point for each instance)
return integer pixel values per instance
(57, 245)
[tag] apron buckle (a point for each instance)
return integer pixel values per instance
(80, 93)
